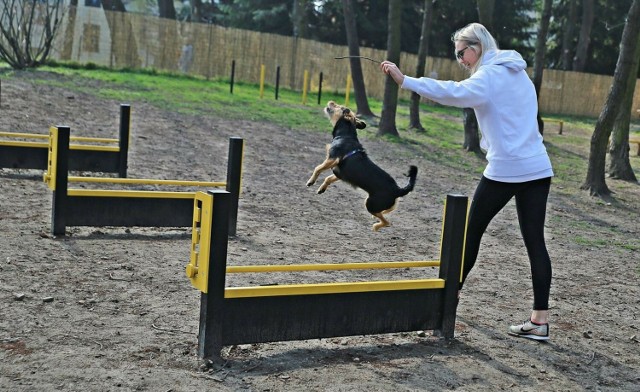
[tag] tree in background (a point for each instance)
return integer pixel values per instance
(605, 35)
(619, 165)
(166, 9)
(471, 141)
(588, 15)
(298, 19)
(359, 88)
(485, 13)
(541, 45)
(387, 124)
(566, 55)
(27, 31)
(414, 108)
(595, 181)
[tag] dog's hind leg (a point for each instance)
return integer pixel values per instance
(383, 221)
(327, 181)
(327, 164)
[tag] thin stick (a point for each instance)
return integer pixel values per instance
(360, 57)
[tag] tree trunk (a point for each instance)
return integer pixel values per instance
(588, 14)
(414, 108)
(471, 137)
(619, 165)
(595, 182)
(360, 92)
(390, 100)
(567, 36)
(298, 19)
(485, 13)
(541, 45)
(196, 11)
(166, 9)
(67, 46)
(113, 5)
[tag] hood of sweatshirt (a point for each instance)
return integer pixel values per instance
(506, 58)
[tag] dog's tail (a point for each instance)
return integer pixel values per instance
(413, 173)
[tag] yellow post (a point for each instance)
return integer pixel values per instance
(305, 84)
(262, 81)
(348, 90)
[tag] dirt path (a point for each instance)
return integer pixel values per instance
(124, 317)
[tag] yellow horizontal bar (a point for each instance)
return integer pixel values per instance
(24, 135)
(326, 267)
(141, 194)
(144, 181)
(73, 138)
(88, 139)
(88, 147)
(24, 144)
(332, 288)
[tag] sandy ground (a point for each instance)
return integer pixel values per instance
(110, 309)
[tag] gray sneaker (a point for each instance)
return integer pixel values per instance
(530, 330)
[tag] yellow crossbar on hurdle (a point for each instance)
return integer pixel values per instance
(332, 288)
(86, 139)
(331, 267)
(145, 181)
(86, 147)
(130, 194)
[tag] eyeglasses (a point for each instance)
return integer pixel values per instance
(460, 54)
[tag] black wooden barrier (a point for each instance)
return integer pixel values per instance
(228, 319)
(84, 207)
(33, 155)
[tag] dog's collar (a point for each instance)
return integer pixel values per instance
(347, 155)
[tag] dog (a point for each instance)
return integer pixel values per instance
(349, 162)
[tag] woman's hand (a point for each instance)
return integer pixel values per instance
(392, 70)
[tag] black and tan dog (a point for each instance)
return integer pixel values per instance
(349, 162)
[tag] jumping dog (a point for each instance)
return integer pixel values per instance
(349, 162)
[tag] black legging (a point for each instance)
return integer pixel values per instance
(531, 203)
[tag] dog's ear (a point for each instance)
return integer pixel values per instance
(360, 124)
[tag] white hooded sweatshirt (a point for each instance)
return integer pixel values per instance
(504, 100)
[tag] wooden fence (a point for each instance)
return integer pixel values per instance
(139, 41)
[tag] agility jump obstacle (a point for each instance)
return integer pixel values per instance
(110, 207)
(244, 315)
(99, 156)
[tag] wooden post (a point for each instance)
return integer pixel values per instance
(233, 74)
(234, 179)
(277, 81)
(320, 89)
(125, 132)
(211, 302)
(451, 259)
(58, 224)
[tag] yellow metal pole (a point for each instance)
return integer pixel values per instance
(262, 81)
(305, 84)
(348, 90)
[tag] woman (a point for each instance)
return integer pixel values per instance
(505, 103)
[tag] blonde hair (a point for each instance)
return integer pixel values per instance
(477, 37)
